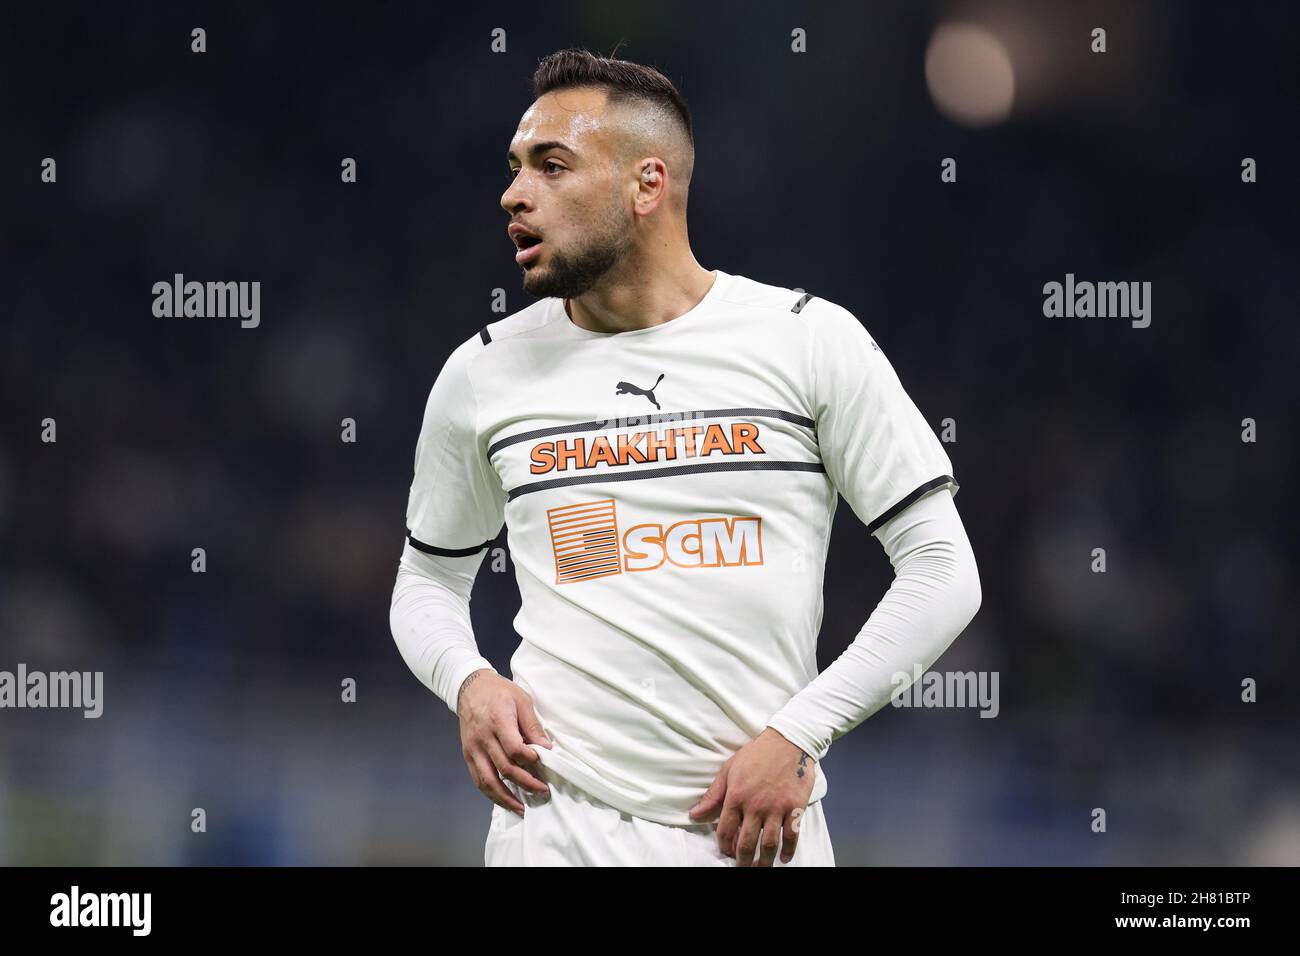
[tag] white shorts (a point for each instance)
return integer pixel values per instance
(571, 828)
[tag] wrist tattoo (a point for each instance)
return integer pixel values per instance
(460, 695)
(803, 762)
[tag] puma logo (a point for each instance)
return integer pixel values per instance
(627, 388)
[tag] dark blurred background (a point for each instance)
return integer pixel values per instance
(818, 170)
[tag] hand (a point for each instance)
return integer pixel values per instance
(497, 721)
(763, 788)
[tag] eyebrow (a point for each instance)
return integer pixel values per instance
(543, 147)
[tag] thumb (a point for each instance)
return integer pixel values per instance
(530, 727)
(711, 802)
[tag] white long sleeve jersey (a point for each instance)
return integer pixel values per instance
(668, 494)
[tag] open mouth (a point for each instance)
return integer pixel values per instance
(529, 248)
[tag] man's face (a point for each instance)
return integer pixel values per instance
(566, 191)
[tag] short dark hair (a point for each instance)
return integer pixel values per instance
(622, 79)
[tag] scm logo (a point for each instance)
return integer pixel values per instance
(702, 543)
(587, 543)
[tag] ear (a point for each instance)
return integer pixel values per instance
(652, 185)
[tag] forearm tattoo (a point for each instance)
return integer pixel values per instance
(803, 762)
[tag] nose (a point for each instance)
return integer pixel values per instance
(515, 198)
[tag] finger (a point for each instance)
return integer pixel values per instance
(490, 785)
(507, 769)
(770, 841)
(790, 835)
(747, 842)
(531, 726)
(516, 751)
(710, 805)
(728, 828)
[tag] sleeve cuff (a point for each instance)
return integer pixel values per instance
(797, 736)
(943, 481)
(446, 552)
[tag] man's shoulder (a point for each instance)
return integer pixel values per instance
(794, 300)
(513, 326)
(527, 319)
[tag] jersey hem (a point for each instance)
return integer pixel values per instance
(576, 776)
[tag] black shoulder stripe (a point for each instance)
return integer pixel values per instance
(485, 335)
(798, 306)
(926, 488)
(445, 552)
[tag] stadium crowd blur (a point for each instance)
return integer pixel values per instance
(819, 170)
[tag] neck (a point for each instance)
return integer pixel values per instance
(633, 295)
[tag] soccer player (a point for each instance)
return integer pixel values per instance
(666, 446)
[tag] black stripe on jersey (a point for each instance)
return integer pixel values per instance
(640, 473)
(929, 486)
(653, 418)
(798, 306)
(445, 552)
(485, 335)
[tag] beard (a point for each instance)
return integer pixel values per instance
(570, 274)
